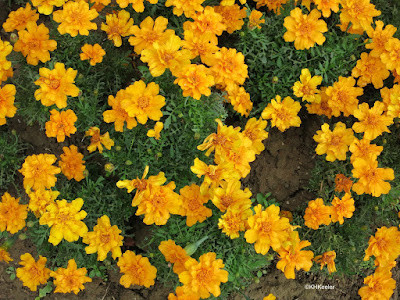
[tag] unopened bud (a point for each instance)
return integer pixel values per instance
(118, 148)
(22, 236)
(109, 167)
(128, 162)
(275, 79)
(190, 249)
(13, 38)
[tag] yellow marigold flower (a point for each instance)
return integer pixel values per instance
(12, 214)
(391, 57)
(56, 85)
(306, 88)
(61, 124)
(137, 5)
(94, 53)
(359, 12)
(137, 270)
(97, 141)
(334, 144)
(40, 199)
(6, 69)
(189, 8)
(322, 108)
(327, 6)
(166, 56)
(364, 149)
(195, 80)
(255, 19)
(143, 102)
(372, 121)
(228, 67)
(370, 70)
(4, 255)
(45, 7)
(182, 294)
(39, 172)
(379, 37)
(390, 97)
(75, 18)
(371, 178)
(317, 214)
(204, 277)
(379, 285)
(103, 239)
(99, 4)
(33, 273)
(328, 259)
(270, 297)
(155, 133)
(274, 5)
(34, 43)
(150, 32)
(343, 183)
(232, 16)
(291, 256)
(18, 19)
(255, 131)
(117, 26)
(7, 97)
(70, 279)
(235, 219)
(240, 100)
(64, 218)
(267, 229)
(203, 45)
(117, 114)
(230, 194)
(283, 114)
(72, 164)
(342, 208)
(206, 21)
(304, 30)
(174, 254)
(384, 246)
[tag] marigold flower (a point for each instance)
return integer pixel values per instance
(204, 277)
(334, 144)
(32, 273)
(117, 26)
(182, 294)
(40, 199)
(193, 205)
(255, 131)
(342, 208)
(7, 97)
(99, 4)
(34, 43)
(359, 13)
(97, 141)
(391, 57)
(137, 270)
(94, 53)
(39, 172)
(137, 5)
(343, 183)
(203, 45)
(207, 20)
(328, 259)
(364, 149)
(306, 88)
(283, 114)
(12, 214)
(174, 254)
(270, 297)
(304, 30)
(75, 18)
(327, 6)
(370, 70)
(72, 164)
(70, 279)
(56, 85)
(6, 69)
(322, 108)
(343, 96)
(103, 239)
(379, 37)
(317, 214)
(61, 124)
(185, 7)
(275, 5)
(232, 16)
(18, 19)
(371, 178)
(45, 7)
(229, 194)
(64, 218)
(291, 256)
(4, 255)
(379, 285)
(156, 131)
(117, 114)
(255, 19)
(240, 100)
(235, 219)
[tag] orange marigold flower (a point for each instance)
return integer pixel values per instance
(267, 229)
(379, 285)
(317, 214)
(155, 133)
(6, 69)
(359, 12)
(75, 18)
(391, 57)
(18, 19)
(4, 255)
(137, 270)
(99, 4)
(193, 205)
(230, 194)
(364, 149)
(39, 172)
(45, 7)
(235, 219)
(33, 273)
(137, 5)
(343, 183)
(328, 259)
(370, 69)
(61, 124)
(342, 208)
(103, 239)
(372, 121)
(150, 31)
(207, 20)
(174, 254)
(283, 114)
(255, 19)
(232, 16)
(72, 164)
(189, 8)
(291, 256)
(322, 108)
(56, 85)
(94, 53)
(34, 43)
(255, 131)
(97, 141)
(371, 178)
(12, 214)
(7, 97)
(204, 277)
(270, 297)
(326, 6)
(306, 88)
(304, 30)
(334, 144)
(203, 45)
(182, 294)
(70, 279)
(379, 37)
(64, 218)
(275, 5)
(40, 199)
(117, 114)
(240, 100)
(117, 26)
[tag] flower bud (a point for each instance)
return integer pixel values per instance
(30, 224)
(22, 236)
(109, 167)
(118, 148)
(196, 136)
(275, 79)
(128, 162)
(86, 173)
(13, 38)
(159, 154)
(191, 248)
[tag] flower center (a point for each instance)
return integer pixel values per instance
(34, 44)
(143, 102)
(54, 83)
(204, 275)
(105, 238)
